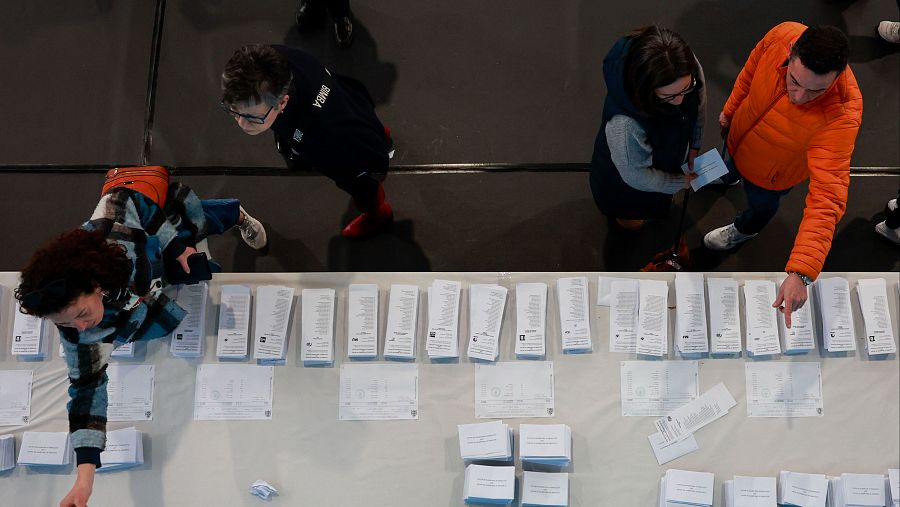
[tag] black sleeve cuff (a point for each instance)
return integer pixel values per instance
(174, 249)
(87, 455)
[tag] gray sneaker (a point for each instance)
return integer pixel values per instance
(892, 205)
(252, 231)
(889, 31)
(725, 238)
(892, 235)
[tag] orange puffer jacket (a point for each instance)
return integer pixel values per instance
(777, 144)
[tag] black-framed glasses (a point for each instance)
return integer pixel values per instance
(259, 120)
(682, 93)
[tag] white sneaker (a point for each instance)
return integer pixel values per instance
(892, 205)
(892, 235)
(252, 231)
(889, 31)
(725, 238)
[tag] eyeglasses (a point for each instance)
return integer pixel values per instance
(259, 120)
(682, 93)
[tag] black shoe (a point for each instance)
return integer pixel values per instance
(343, 31)
(308, 13)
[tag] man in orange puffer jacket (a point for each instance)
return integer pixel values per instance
(793, 114)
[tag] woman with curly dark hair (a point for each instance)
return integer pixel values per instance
(102, 285)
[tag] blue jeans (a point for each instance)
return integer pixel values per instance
(221, 214)
(762, 204)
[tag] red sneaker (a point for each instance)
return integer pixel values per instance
(369, 224)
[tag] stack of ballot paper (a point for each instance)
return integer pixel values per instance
(800, 338)
(724, 317)
(893, 487)
(653, 318)
(43, 448)
(362, 321)
(273, 314)
(623, 314)
(690, 417)
(545, 490)
(833, 296)
(30, 336)
(762, 318)
(316, 325)
(123, 350)
(574, 315)
(15, 397)
(7, 452)
(124, 449)
(531, 320)
(490, 441)
(442, 340)
(234, 322)
(682, 487)
(547, 444)
(495, 485)
(750, 492)
(486, 304)
(857, 490)
(403, 311)
(877, 318)
(188, 338)
(802, 490)
(691, 337)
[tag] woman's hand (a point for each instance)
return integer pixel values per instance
(84, 485)
(692, 154)
(688, 178)
(183, 258)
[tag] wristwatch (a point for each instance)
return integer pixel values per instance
(803, 278)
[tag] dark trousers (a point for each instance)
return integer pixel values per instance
(337, 8)
(762, 204)
(361, 186)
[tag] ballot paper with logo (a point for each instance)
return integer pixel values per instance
(653, 318)
(489, 441)
(541, 489)
(857, 490)
(442, 340)
(45, 448)
(604, 288)
(494, 485)
(574, 315)
(233, 392)
(690, 417)
(378, 392)
(189, 336)
(403, 310)
(724, 317)
(15, 397)
(124, 449)
(784, 389)
(272, 316)
(545, 444)
(893, 487)
(624, 303)
(30, 336)
(656, 388)
(531, 320)
(316, 327)
(486, 304)
(802, 490)
(233, 337)
(833, 296)
(514, 389)
(750, 492)
(7, 452)
(691, 336)
(362, 321)
(873, 301)
(679, 488)
(800, 338)
(762, 318)
(130, 392)
(668, 451)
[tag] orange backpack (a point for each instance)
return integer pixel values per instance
(152, 181)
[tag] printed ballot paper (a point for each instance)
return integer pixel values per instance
(692, 416)
(403, 310)
(495, 485)
(234, 322)
(373, 392)
(876, 316)
(802, 490)
(623, 315)
(486, 304)
(656, 388)
(604, 288)
(189, 336)
(750, 492)
(708, 167)
(546, 444)
(544, 489)
(762, 318)
(682, 488)
(233, 392)
(124, 449)
(893, 487)
(30, 335)
(857, 490)
(779, 389)
(45, 448)
(724, 317)
(362, 321)
(833, 295)
(653, 318)
(130, 392)
(15, 397)
(668, 451)
(316, 326)
(270, 321)
(691, 336)
(800, 338)
(531, 320)
(574, 315)
(514, 389)
(442, 340)
(7, 452)
(488, 441)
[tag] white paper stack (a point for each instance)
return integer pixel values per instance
(124, 449)
(833, 295)
(7, 452)
(547, 444)
(123, 350)
(762, 318)
(545, 490)
(531, 320)
(691, 336)
(403, 310)
(574, 315)
(43, 448)
(442, 340)
(682, 487)
(30, 336)
(802, 490)
(857, 490)
(486, 304)
(604, 288)
(724, 317)
(893, 487)
(653, 318)
(189, 337)
(233, 337)
(624, 302)
(316, 326)
(490, 441)
(750, 492)
(15, 397)
(495, 485)
(876, 316)
(801, 337)
(362, 321)
(271, 319)
(690, 417)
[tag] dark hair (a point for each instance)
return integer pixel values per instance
(255, 73)
(822, 49)
(657, 57)
(74, 264)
